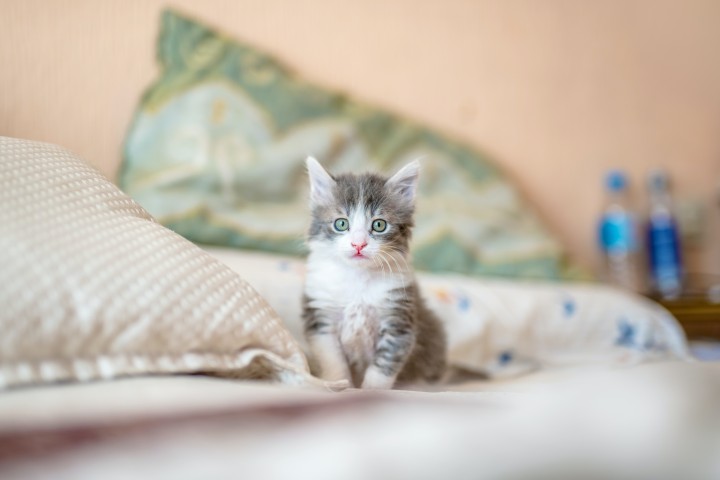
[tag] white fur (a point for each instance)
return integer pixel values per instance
(375, 379)
(355, 296)
(359, 228)
(330, 358)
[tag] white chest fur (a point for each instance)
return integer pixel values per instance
(355, 300)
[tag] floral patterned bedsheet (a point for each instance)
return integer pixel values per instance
(502, 328)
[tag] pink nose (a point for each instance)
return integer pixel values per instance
(359, 246)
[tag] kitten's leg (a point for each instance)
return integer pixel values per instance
(324, 344)
(395, 343)
(328, 353)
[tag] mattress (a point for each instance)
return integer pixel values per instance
(583, 402)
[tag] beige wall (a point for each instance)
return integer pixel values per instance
(557, 91)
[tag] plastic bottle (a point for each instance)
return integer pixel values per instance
(618, 235)
(663, 240)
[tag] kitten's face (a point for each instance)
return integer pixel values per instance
(364, 220)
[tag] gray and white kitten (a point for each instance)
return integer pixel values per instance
(363, 315)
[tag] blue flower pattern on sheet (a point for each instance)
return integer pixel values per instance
(463, 302)
(626, 333)
(284, 266)
(505, 357)
(569, 307)
(629, 337)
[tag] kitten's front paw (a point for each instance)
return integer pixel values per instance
(377, 380)
(335, 374)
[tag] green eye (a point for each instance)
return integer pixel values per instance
(341, 224)
(379, 226)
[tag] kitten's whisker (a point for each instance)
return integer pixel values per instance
(400, 255)
(394, 259)
(382, 257)
(402, 277)
(382, 268)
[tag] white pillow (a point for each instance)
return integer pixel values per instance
(91, 287)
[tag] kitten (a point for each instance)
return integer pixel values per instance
(363, 315)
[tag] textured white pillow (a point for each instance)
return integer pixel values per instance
(91, 287)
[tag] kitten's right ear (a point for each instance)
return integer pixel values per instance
(321, 183)
(405, 181)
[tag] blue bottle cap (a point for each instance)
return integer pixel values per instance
(615, 181)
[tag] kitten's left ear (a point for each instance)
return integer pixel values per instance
(405, 181)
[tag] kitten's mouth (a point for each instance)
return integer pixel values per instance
(358, 255)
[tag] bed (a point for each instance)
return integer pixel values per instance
(128, 351)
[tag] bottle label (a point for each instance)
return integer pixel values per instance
(664, 249)
(617, 233)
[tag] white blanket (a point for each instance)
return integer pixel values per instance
(652, 421)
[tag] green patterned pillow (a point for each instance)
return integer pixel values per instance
(216, 152)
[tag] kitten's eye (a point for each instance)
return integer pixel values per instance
(341, 224)
(379, 225)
